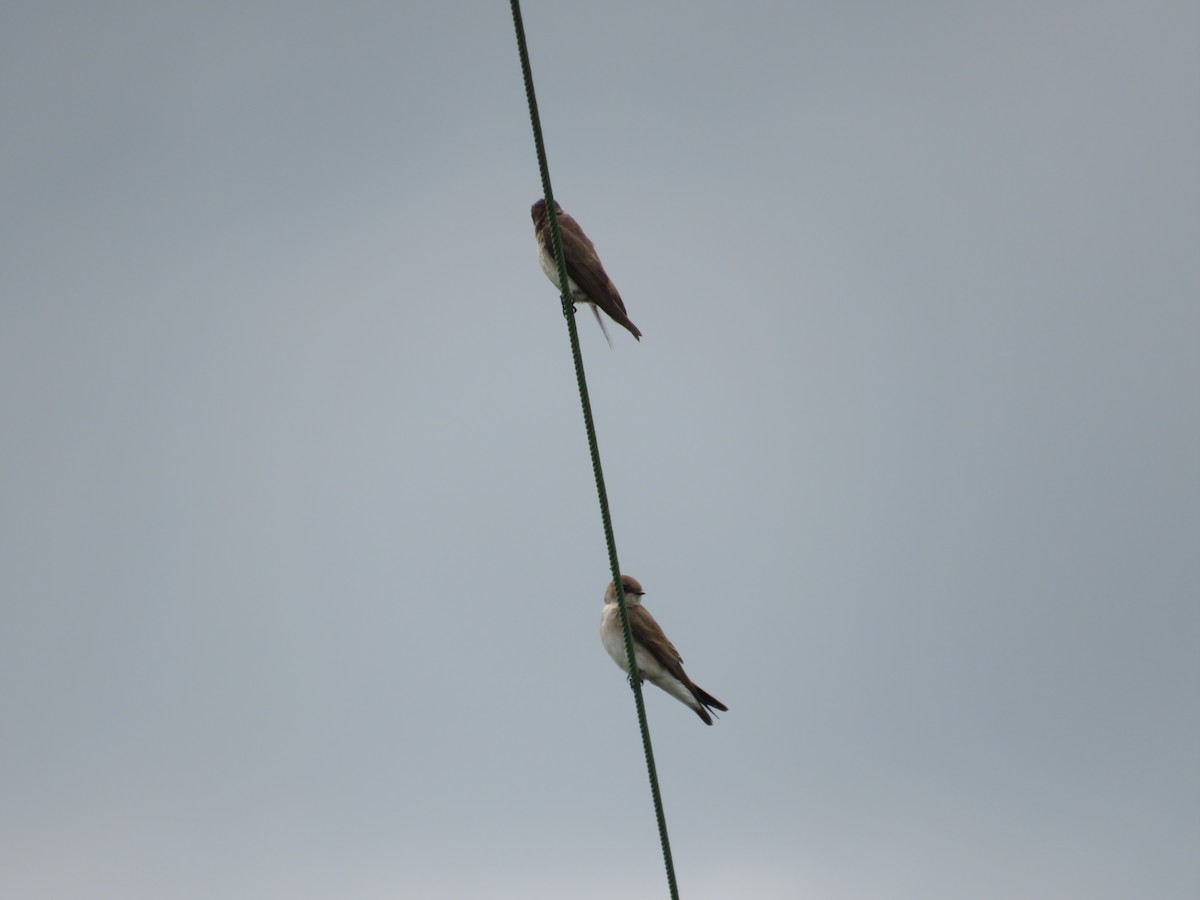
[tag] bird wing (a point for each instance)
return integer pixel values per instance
(648, 633)
(584, 267)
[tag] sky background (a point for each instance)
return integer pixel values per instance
(301, 564)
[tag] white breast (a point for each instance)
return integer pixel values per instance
(550, 267)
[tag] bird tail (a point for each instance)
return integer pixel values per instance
(704, 698)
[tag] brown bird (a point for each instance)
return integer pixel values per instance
(657, 659)
(588, 281)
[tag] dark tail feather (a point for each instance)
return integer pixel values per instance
(708, 699)
(633, 329)
(618, 317)
(705, 699)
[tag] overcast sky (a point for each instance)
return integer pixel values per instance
(301, 565)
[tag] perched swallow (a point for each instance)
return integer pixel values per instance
(657, 659)
(588, 281)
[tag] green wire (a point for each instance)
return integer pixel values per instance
(569, 313)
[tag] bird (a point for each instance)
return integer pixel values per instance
(586, 278)
(657, 659)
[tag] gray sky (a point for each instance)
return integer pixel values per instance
(300, 559)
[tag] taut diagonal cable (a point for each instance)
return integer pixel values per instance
(569, 313)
